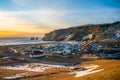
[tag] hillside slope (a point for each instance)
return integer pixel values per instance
(85, 32)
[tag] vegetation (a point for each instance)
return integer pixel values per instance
(111, 72)
(6, 72)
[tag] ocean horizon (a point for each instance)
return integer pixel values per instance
(16, 41)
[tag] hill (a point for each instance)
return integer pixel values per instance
(85, 32)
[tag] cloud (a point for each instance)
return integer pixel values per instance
(9, 23)
(42, 16)
(45, 18)
(56, 14)
(52, 18)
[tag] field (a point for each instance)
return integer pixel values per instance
(111, 71)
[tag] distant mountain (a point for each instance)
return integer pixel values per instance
(85, 32)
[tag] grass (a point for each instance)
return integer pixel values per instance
(111, 72)
(7, 72)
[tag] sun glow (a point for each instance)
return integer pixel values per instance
(11, 26)
(29, 33)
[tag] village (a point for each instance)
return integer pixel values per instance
(72, 49)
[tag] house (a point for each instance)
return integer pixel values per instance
(36, 52)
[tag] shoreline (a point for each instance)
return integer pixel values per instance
(42, 42)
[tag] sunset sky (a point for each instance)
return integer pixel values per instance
(25, 18)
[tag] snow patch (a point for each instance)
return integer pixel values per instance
(117, 33)
(67, 37)
(15, 76)
(36, 67)
(90, 36)
(88, 70)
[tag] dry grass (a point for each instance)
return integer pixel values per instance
(111, 72)
(50, 72)
(7, 72)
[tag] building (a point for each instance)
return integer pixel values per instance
(36, 52)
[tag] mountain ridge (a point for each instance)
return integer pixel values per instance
(84, 32)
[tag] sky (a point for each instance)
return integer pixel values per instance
(26, 18)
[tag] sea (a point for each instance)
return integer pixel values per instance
(16, 41)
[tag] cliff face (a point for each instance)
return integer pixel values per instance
(86, 32)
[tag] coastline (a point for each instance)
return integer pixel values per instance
(31, 43)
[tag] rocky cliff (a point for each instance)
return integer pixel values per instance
(85, 32)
